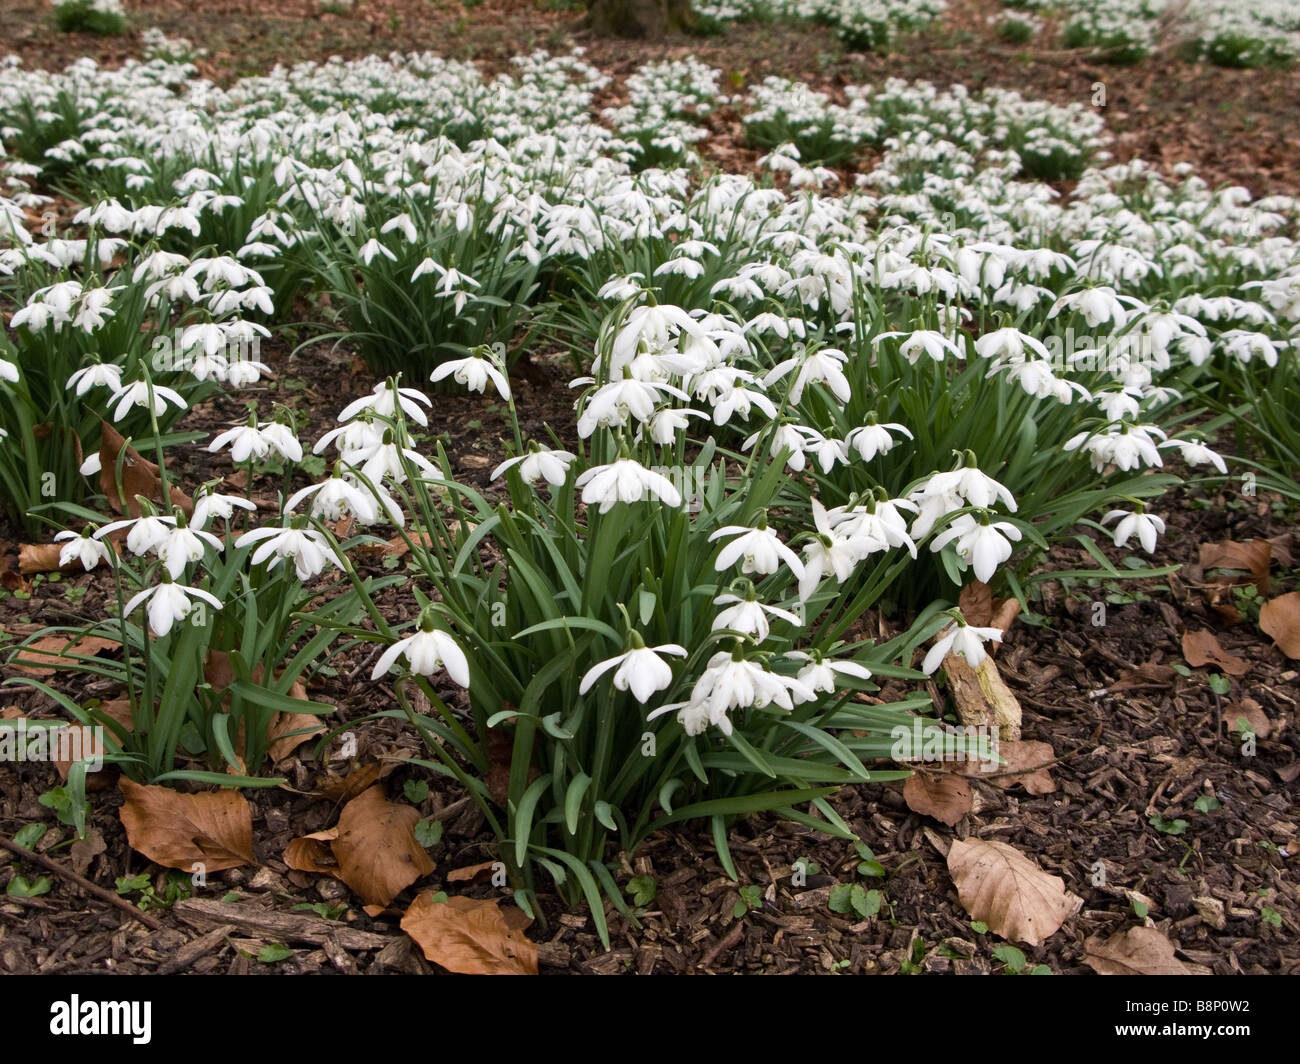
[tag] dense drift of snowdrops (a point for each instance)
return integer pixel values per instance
(803, 399)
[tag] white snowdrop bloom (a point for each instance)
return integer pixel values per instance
(924, 342)
(640, 670)
(749, 616)
(1196, 348)
(1040, 263)
(92, 309)
(97, 375)
(829, 552)
(1244, 345)
(540, 464)
(169, 603)
(825, 365)
(739, 401)
(966, 641)
(625, 481)
(280, 439)
(384, 401)
(617, 289)
(983, 547)
(146, 532)
(180, 545)
(427, 652)
(351, 437)
(246, 443)
(403, 223)
(680, 266)
(1144, 525)
(759, 550)
(784, 438)
(213, 506)
(138, 394)
(614, 403)
(978, 489)
(9, 372)
(1195, 453)
(825, 450)
(1099, 306)
(82, 548)
(335, 498)
(769, 323)
(821, 674)
(1009, 344)
(474, 372)
(373, 248)
(730, 682)
(308, 549)
(868, 441)
(878, 526)
(1117, 405)
(667, 422)
(656, 326)
(384, 459)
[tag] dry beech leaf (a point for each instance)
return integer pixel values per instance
(1280, 618)
(178, 830)
(1253, 556)
(1202, 648)
(40, 558)
(1254, 714)
(376, 849)
(345, 788)
(470, 936)
(475, 873)
(218, 672)
(1136, 951)
(42, 656)
(1002, 887)
(943, 795)
(139, 476)
(976, 603)
(312, 853)
(1145, 675)
(1026, 765)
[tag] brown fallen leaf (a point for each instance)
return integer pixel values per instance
(15, 581)
(475, 873)
(1005, 612)
(139, 476)
(312, 853)
(376, 849)
(500, 750)
(344, 788)
(1136, 951)
(178, 830)
(1202, 648)
(1253, 556)
(43, 657)
(943, 795)
(1147, 674)
(470, 936)
(976, 603)
(1254, 714)
(1006, 890)
(1280, 618)
(218, 672)
(1027, 765)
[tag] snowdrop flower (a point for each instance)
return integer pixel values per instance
(309, 549)
(657, 327)
(829, 552)
(539, 464)
(1009, 344)
(640, 669)
(98, 375)
(138, 394)
(1097, 305)
(83, 548)
(825, 365)
(625, 481)
(147, 532)
(181, 545)
(280, 439)
(1195, 453)
(871, 439)
(969, 483)
(427, 652)
(373, 247)
(666, 423)
(384, 401)
(1144, 525)
(825, 450)
(924, 342)
(611, 404)
(730, 682)
(748, 616)
(212, 506)
(757, 549)
(169, 603)
(474, 372)
(784, 438)
(9, 372)
(964, 640)
(335, 498)
(246, 443)
(982, 546)
(820, 673)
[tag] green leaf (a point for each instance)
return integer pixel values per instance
(29, 835)
(428, 832)
(416, 791)
(274, 953)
